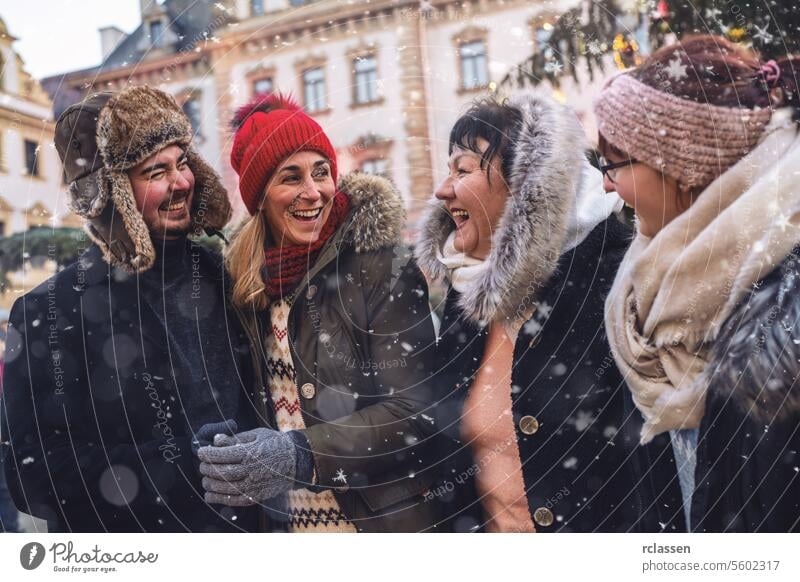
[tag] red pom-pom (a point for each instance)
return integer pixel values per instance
(263, 103)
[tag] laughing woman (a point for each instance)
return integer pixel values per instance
(704, 316)
(525, 235)
(339, 322)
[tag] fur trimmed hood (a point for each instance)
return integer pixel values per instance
(533, 229)
(377, 216)
(113, 135)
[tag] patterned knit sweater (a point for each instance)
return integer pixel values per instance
(308, 511)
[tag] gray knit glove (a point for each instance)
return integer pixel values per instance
(248, 467)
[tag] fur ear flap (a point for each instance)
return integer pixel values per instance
(211, 207)
(87, 196)
(121, 194)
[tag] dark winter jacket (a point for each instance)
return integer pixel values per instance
(362, 343)
(103, 395)
(567, 394)
(747, 477)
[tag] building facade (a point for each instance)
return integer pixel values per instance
(385, 78)
(31, 184)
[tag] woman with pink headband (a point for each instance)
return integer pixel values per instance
(704, 315)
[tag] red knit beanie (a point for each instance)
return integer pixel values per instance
(269, 129)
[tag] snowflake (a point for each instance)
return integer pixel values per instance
(340, 476)
(350, 278)
(676, 69)
(783, 221)
(532, 327)
(553, 66)
(594, 47)
(544, 309)
(763, 34)
(584, 420)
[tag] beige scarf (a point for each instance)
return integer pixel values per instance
(673, 292)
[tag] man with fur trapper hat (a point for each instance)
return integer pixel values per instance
(122, 363)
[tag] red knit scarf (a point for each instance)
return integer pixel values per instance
(286, 265)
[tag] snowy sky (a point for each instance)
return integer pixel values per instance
(61, 35)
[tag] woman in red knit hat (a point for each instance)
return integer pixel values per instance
(340, 330)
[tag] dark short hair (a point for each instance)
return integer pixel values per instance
(495, 121)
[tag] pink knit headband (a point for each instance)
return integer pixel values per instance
(689, 141)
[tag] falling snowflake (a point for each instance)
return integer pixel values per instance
(27, 460)
(553, 66)
(532, 327)
(676, 69)
(594, 47)
(763, 34)
(340, 476)
(350, 278)
(583, 421)
(544, 309)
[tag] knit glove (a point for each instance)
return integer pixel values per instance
(249, 467)
(204, 436)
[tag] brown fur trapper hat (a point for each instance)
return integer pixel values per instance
(103, 137)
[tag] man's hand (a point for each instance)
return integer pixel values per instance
(248, 467)
(204, 436)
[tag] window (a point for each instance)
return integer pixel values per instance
(156, 30)
(474, 73)
(263, 85)
(191, 107)
(376, 166)
(314, 89)
(32, 158)
(256, 7)
(365, 84)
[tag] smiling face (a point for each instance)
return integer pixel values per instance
(475, 197)
(298, 199)
(163, 186)
(656, 197)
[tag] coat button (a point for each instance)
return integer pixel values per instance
(543, 517)
(308, 391)
(528, 424)
(311, 291)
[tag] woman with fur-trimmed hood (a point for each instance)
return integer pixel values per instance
(341, 333)
(529, 394)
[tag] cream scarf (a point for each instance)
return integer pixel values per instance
(673, 292)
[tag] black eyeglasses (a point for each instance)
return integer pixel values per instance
(610, 170)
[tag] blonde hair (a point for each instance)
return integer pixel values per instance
(244, 259)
